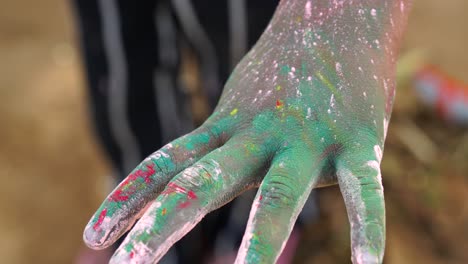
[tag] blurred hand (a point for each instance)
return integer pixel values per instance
(307, 107)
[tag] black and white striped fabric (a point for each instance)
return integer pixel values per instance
(132, 57)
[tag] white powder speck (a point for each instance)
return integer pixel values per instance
(309, 113)
(308, 10)
(385, 126)
(338, 67)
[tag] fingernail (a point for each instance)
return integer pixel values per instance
(95, 238)
(363, 256)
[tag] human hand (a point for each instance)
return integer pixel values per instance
(307, 107)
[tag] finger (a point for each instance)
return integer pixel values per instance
(210, 183)
(360, 183)
(277, 204)
(122, 207)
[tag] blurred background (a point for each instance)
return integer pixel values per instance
(53, 172)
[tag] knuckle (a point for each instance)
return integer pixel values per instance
(161, 159)
(216, 132)
(280, 192)
(360, 138)
(199, 176)
(161, 163)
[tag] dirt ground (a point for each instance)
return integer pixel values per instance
(53, 175)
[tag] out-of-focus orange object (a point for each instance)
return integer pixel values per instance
(443, 92)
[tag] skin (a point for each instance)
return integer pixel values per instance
(308, 106)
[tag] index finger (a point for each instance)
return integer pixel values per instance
(128, 200)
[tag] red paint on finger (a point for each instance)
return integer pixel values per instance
(258, 202)
(279, 104)
(146, 174)
(140, 173)
(184, 205)
(126, 189)
(98, 223)
(117, 196)
(173, 188)
(191, 195)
